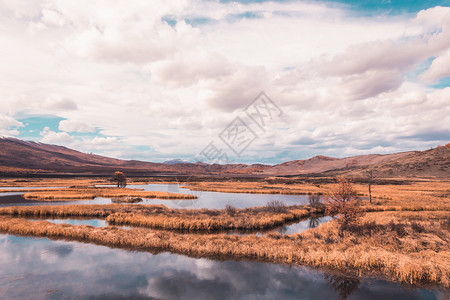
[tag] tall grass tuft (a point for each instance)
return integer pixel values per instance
(315, 201)
(276, 206)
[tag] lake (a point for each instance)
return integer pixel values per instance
(211, 200)
(48, 269)
(40, 268)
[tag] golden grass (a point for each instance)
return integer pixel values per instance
(158, 216)
(408, 246)
(417, 256)
(409, 195)
(253, 187)
(404, 235)
(63, 182)
(68, 194)
(420, 194)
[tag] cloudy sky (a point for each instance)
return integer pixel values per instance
(158, 80)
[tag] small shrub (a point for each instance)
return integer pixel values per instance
(315, 201)
(398, 228)
(329, 240)
(211, 213)
(276, 206)
(355, 240)
(343, 201)
(274, 235)
(446, 224)
(368, 228)
(317, 235)
(230, 209)
(417, 227)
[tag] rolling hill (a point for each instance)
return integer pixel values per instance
(25, 157)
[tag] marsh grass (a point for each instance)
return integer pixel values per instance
(276, 206)
(407, 194)
(158, 216)
(79, 193)
(413, 258)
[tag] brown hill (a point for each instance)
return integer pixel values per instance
(429, 163)
(24, 157)
(20, 157)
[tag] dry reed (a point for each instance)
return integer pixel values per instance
(413, 258)
(79, 193)
(158, 216)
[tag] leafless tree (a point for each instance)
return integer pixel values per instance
(370, 175)
(343, 202)
(315, 201)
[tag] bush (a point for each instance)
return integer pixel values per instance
(211, 213)
(368, 228)
(329, 240)
(417, 227)
(230, 209)
(344, 202)
(398, 228)
(317, 235)
(276, 206)
(315, 201)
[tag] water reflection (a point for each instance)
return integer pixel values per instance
(301, 226)
(344, 286)
(314, 222)
(217, 200)
(211, 200)
(90, 222)
(45, 269)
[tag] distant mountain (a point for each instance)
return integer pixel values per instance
(176, 161)
(24, 157)
(429, 163)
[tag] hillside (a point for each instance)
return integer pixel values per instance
(24, 157)
(429, 163)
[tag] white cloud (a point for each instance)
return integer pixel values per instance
(75, 126)
(56, 138)
(6, 122)
(119, 67)
(440, 68)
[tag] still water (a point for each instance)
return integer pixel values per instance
(39, 268)
(211, 200)
(47, 269)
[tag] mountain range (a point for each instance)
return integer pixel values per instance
(18, 157)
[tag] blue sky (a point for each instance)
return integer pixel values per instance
(163, 81)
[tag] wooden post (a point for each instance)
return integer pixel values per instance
(370, 185)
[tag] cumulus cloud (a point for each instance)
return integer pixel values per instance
(56, 138)
(369, 84)
(440, 68)
(56, 103)
(121, 71)
(75, 126)
(6, 122)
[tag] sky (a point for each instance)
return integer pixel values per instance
(182, 79)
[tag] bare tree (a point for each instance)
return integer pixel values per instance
(315, 201)
(120, 178)
(370, 175)
(343, 202)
